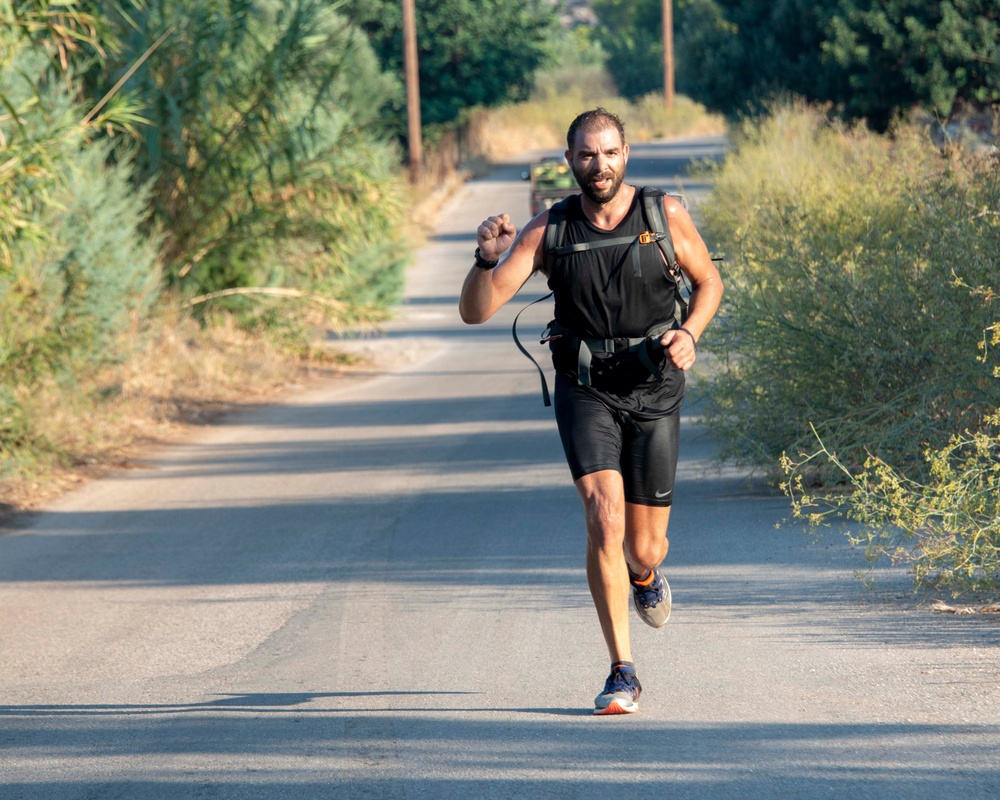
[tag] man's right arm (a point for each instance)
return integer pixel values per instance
(486, 290)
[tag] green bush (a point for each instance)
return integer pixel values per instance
(945, 527)
(852, 337)
(79, 269)
(108, 258)
(260, 151)
(843, 310)
(82, 267)
(945, 523)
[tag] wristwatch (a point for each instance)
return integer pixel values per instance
(482, 263)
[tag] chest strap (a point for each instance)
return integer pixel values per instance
(646, 237)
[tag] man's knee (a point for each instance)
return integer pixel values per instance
(646, 535)
(605, 520)
(604, 507)
(646, 552)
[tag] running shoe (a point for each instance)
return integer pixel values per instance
(651, 599)
(621, 692)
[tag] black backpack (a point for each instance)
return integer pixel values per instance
(657, 230)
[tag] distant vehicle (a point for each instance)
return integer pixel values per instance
(551, 181)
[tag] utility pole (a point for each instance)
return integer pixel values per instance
(412, 89)
(668, 53)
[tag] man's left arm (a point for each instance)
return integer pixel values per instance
(706, 285)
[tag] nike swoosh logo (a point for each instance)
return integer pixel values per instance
(661, 495)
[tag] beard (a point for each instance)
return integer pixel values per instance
(599, 196)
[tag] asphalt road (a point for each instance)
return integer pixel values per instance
(375, 590)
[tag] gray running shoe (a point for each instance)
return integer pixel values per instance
(652, 601)
(621, 692)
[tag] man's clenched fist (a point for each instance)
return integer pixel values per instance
(494, 236)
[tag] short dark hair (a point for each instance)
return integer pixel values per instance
(596, 118)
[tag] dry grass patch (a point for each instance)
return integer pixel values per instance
(182, 377)
(501, 133)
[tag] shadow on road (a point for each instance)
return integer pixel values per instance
(344, 749)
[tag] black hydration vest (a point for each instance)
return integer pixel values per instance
(615, 297)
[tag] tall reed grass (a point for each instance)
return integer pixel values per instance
(252, 179)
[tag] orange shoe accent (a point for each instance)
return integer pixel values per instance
(647, 580)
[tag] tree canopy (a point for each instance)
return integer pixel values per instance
(471, 52)
(631, 33)
(898, 52)
(870, 58)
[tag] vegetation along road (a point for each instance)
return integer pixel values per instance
(376, 589)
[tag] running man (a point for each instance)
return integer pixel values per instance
(620, 359)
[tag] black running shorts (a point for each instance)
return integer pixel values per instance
(596, 437)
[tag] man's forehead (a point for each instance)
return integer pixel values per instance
(598, 132)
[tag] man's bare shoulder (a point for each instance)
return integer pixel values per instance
(674, 207)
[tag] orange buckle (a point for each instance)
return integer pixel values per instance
(645, 237)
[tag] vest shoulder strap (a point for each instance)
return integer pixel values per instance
(555, 231)
(656, 220)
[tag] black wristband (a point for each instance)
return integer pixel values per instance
(693, 341)
(482, 263)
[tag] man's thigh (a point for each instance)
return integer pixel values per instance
(591, 433)
(649, 461)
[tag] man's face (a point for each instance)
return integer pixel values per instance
(598, 160)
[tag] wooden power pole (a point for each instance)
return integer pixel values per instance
(668, 53)
(411, 69)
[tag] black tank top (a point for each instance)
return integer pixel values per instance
(598, 295)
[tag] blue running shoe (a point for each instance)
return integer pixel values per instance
(621, 692)
(651, 599)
